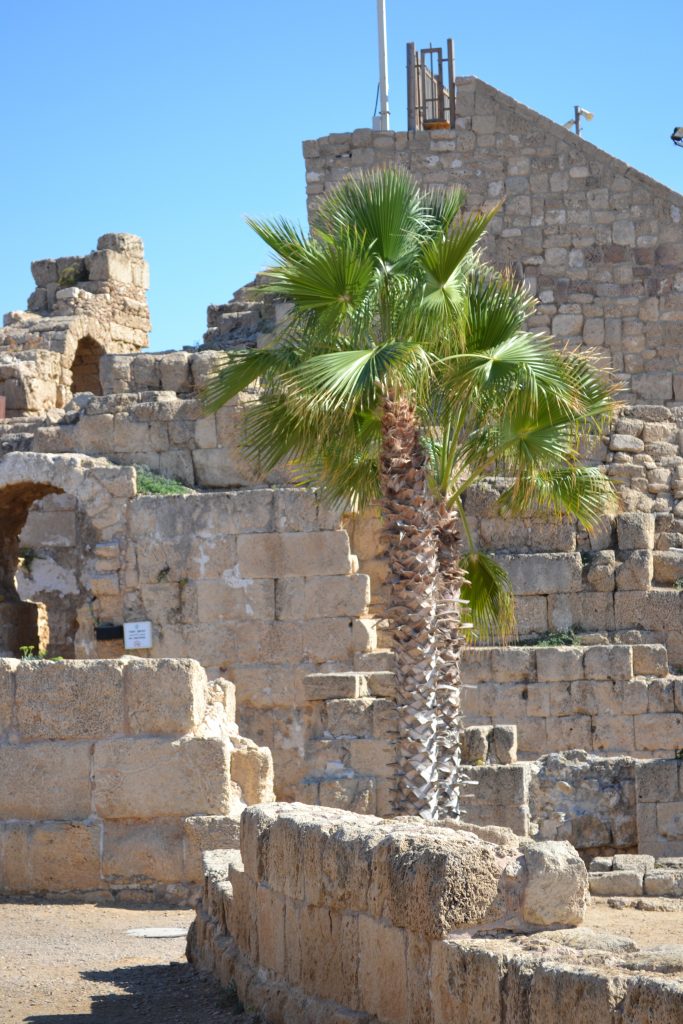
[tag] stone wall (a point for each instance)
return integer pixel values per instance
(117, 774)
(601, 805)
(607, 698)
(332, 917)
(81, 308)
(599, 243)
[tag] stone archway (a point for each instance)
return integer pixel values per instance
(85, 368)
(101, 491)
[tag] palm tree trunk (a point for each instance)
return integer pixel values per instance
(449, 643)
(411, 524)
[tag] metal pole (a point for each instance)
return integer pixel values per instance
(577, 120)
(383, 68)
(410, 65)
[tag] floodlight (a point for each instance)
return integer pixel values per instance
(677, 136)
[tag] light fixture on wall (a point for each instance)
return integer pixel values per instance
(575, 122)
(677, 137)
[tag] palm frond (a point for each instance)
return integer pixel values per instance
(491, 603)
(238, 370)
(580, 491)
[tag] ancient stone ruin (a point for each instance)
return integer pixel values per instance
(267, 672)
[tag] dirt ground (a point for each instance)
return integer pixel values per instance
(72, 964)
(647, 928)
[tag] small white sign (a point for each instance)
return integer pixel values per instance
(137, 635)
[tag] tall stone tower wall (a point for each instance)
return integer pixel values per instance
(599, 243)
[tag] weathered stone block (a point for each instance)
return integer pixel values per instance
(45, 781)
(331, 596)
(650, 660)
(7, 670)
(64, 857)
(557, 884)
(251, 767)
(273, 555)
(663, 883)
(656, 780)
(504, 743)
(207, 832)
(609, 661)
(164, 696)
(659, 732)
(382, 973)
(635, 531)
(69, 699)
(543, 574)
(616, 883)
(151, 778)
(635, 571)
(145, 851)
(466, 983)
(513, 664)
(670, 819)
(558, 664)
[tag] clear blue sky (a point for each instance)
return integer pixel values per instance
(173, 120)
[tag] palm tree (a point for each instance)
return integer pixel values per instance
(402, 376)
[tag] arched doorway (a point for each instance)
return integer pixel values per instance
(23, 624)
(85, 369)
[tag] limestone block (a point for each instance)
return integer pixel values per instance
(177, 465)
(635, 572)
(543, 574)
(663, 883)
(573, 992)
(272, 643)
(466, 983)
(383, 684)
(337, 639)
(270, 924)
(174, 369)
(659, 610)
(207, 832)
(329, 947)
(601, 570)
(49, 781)
(614, 733)
(532, 615)
(7, 670)
(650, 660)
(64, 857)
(15, 868)
(616, 883)
(635, 531)
(504, 743)
(475, 744)
(164, 696)
(659, 732)
(475, 665)
(558, 664)
(571, 732)
(330, 596)
(513, 664)
(667, 567)
(350, 717)
(144, 851)
(221, 467)
(382, 972)
(656, 780)
(609, 661)
(501, 784)
(233, 599)
(148, 778)
(557, 884)
(69, 699)
(351, 794)
(274, 555)
(251, 767)
(670, 819)
(640, 862)
(626, 443)
(660, 695)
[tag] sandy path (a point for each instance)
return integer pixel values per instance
(72, 964)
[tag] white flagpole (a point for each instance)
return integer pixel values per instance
(383, 67)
